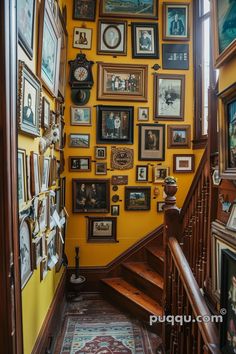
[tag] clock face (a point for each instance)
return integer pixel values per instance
(81, 73)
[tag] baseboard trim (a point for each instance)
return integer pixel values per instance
(48, 331)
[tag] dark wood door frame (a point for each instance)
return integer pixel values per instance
(10, 303)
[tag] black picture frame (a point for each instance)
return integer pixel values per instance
(137, 198)
(89, 199)
(107, 131)
(151, 40)
(84, 10)
(102, 229)
(26, 22)
(228, 272)
(115, 210)
(147, 152)
(142, 173)
(175, 56)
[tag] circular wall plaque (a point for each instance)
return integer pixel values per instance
(115, 198)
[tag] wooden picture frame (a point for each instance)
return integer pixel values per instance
(46, 114)
(43, 268)
(62, 184)
(45, 172)
(142, 173)
(84, 10)
(91, 195)
(25, 235)
(115, 125)
(115, 210)
(137, 198)
(160, 207)
(101, 229)
(109, 8)
(52, 256)
(122, 82)
(178, 136)
(80, 163)
(43, 213)
(143, 114)
(145, 40)
(22, 177)
(169, 97)
(79, 140)
(152, 142)
(112, 37)
(122, 158)
(175, 56)
(35, 175)
(119, 180)
(160, 173)
(26, 25)
(82, 38)
(176, 21)
(183, 163)
(38, 250)
(63, 56)
(81, 116)
(100, 168)
(100, 152)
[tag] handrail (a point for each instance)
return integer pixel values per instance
(196, 299)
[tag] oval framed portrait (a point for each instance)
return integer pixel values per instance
(25, 251)
(112, 37)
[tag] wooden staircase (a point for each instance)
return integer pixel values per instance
(139, 288)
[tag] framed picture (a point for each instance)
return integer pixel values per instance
(91, 195)
(80, 116)
(115, 124)
(145, 40)
(122, 82)
(183, 163)
(119, 180)
(101, 229)
(63, 57)
(122, 158)
(79, 163)
(160, 207)
(160, 173)
(25, 251)
(231, 224)
(45, 120)
(143, 114)
(45, 171)
(82, 38)
(227, 301)
(79, 140)
(112, 37)
(178, 136)
(152, 142)
(141, 173)
(115, 210)
(175, 56)
(58, 200)
(227, 129)
(84, 10)
(169, 91)
(38, 250)
(224, 31)
(175, 21)
(62, 185)
(51, 250)
(100, 168)
(29, 101)
(100, 152)
(137, 198)
(43, 268)
(35, 175)
(22, 177)
(26, 25)
(49, 49)
(43, 213)
(216, 179)
(53, 171)
(145, 9)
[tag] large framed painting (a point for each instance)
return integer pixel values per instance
(29, 102)
(137, 198)
(122, 82)
(22, 177)
(63, 55)
(115, 124)
(223, 16)
(169, 91)
(26, 25)
(175, 21)
(227, 132)
(49, 49)
(84, 10)
(102, 229)
(91, 195)
(129, 9)
(25, 251)
(112, 37)
(152, 142)
(145, 40)
(227, 302)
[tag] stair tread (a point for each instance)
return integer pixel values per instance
(135, 295)
(144, 270)
(156, 251)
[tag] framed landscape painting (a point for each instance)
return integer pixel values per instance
(26, 22)
(178, 136)
(137, 198)
(129, 9)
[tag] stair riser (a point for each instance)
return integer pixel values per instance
(156, 263)
(144, 285)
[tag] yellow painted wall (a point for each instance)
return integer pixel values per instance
(227, 74)
(131, 226)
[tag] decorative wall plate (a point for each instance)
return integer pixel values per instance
(122, 158)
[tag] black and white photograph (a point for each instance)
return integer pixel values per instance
(141, 173)
(145, 40)
(175, 56)
(112, 37)
(79, 163)
(152, 142)
(38, 250)
(82, 38)
(115, 210)
(101, 229)
(176, 21)
(51, 250)
(45, 170)
(25, 251)
(45, 120)
(143, 113)
(100, 152)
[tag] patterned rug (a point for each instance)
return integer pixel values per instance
(93, 326)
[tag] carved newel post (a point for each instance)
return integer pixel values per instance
(170, 189)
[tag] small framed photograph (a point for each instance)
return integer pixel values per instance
(160, 173)
(35, 175)
(141, 173)
(183, 163)
(231, 224)
(82, 38)
(38, 250)
(175, 56)
(101, 229)
(100, 152)
(43, 268)
(112, 37)
(175, 21)
(160, 207)
(26, 25)
(178, 136)
(169, 91)
(100, 168)
(141, 9)
(145, 40)
(43, 213)
(115, 210)
(143, 114)
(25, 251)
(52, 250)
(45, 171)
(152, 142)
(45, 121)
(80, 116)
(216, 179)
(84, 10)
(137, 198)
(22, 177)
(79, 163)
(79, 140)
